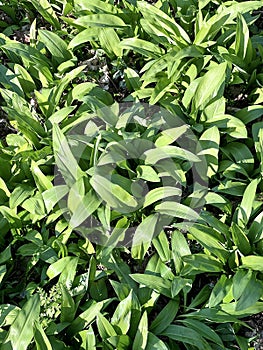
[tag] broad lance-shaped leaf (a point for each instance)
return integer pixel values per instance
(21, 331)
(113, 194)
(253, 262)
(110, 42)
(97, 6)
(198, 263)
(9, 80)
(105, 328)
(251, 294)
(154, 155)
(242, 41)
(209, 143)
(246, 206)
(143, 236)
(204, 331)
(165, 317)
(100, 20)
(85, 318)
(161, 285)
(225, 15)
(161, 20)
(143, 47)
(140, 340)
(123, 313)
(177, 210)
(169, 136)
(155, 343)
(40, 337)
(88, 204)
(84, 36)
(53, 195)
(55, 45)
(209, 86)
(65, 161)
(45, 9)
(240, 239)
(210, 240)
(185, 335)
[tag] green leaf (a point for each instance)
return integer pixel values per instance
(156, 154)
(42, 182)
(142, 47)
(122, 315)
(169, 136)
(253, 262)
(10, 81)
(164, 23)
(65, 161)
(53, 195)
(87, 205)
(209, 86)
(90, 34)
(45, 9)
(68, 307)
(143, 236)
(207, 237)
(228, 124)
(30, 54)
(177, 210)
(230, 309)
(251, 294)
(185, 335)
(41, 339)
(114, 195)
(161, 285)
(132, 79)
(110, 42)
(209, 143)
(24, 78)
(241, 154)
(2, 272)
(35, 206)
(5, 255)
(147, 173)
(55, 45)
(141, 336)
(104, 327)
(204, 331)
(250, 113)
(198, 263)
(240, 239)
(240, 282)
(154, 343)
(8, 314)
(225, 15)
(21, 331)
(165, 317)
(100, 20)
(85, 318)
(163, 85)
(88, 339)
(242, 37)
(245, 209)
(161, 244)
(180, 248)
(66, 268)
(219, 291)
(160, 193)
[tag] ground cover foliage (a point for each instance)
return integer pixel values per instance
(68, 66)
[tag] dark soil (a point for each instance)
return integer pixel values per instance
(256, 323)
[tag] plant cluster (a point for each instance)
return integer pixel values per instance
(131, 174)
